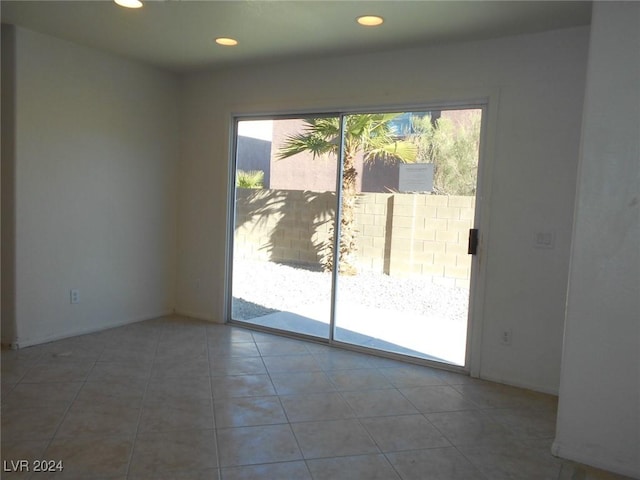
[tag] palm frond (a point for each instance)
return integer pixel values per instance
(320, 136)
(400, 150)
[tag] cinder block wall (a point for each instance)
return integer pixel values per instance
(289, 226)
(401, 235)
(429, 237)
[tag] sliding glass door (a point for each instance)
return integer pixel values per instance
(405, 287)
(354, 228)
(285, 208)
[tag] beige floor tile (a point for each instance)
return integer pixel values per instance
(404, 432)
(208, 474)
(58, 372)
(493, 395)
(434, 464)
(76, 349)
(173, 339)
(382, 362)
(526, 422)
(289, 347)
(288, 470)
(358, 379)
(31, 423)
(223, 365)
(333, 438)
(178, 352)
(128, 355)
(119, 371)
(177, 414)
(24, 356)
(165, 452)
(176, 388)
(66, 475)
(221, 343)
(291, 363)
(15, 453)
(125, 392)
(573, 471)
(249, 411)
(316, 406)
(13, 370)
(143, 341)
(437, 398)
(87, 456)
(455, 378)
(103, 421)
(257, 445)
(226, 333)
(412, 376)
(316, 348)
(471, 427)
(369, 467)
(341, 360)
(242, 386)
(193, 367)
(38, 395)
(371, 403)
(237, 349)
(513, 462)
(310, 382)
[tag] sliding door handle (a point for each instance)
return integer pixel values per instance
(473, 241)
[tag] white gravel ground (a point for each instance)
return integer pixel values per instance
(260, 288)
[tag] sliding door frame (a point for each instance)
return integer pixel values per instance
(487, 105)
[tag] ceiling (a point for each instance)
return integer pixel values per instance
(179, 35)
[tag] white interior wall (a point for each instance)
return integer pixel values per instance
(536, 86)
(599, 410)
(7, 177)
(97, 145)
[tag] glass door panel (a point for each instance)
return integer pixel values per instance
(397, 277)
(285, 207)
(408, 200)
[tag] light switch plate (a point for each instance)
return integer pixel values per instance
(544, 240)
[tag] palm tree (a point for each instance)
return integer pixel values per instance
(372, 135)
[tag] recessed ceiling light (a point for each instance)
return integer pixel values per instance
(370, 20)
(129, 3)
(226, 41)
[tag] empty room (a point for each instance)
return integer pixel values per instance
(320, 240)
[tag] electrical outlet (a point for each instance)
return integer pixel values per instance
(74, 295)
(505, 337)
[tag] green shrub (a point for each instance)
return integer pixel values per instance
(250, 179)
(453, 149)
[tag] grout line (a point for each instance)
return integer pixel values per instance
(213, 407)
(66, 411)
(142, 403)
(284, 411)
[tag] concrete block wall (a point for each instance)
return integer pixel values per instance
(429, 237)
(289, 226)
(372, 226)
(401, 235)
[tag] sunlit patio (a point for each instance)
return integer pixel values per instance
(433, 332)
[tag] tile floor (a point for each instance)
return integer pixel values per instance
(179, 399)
